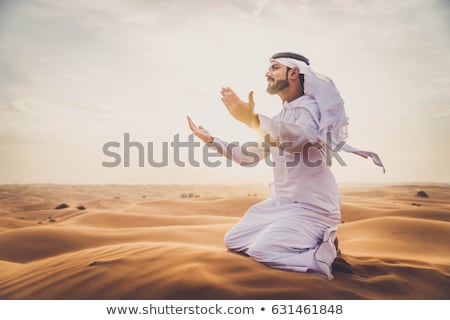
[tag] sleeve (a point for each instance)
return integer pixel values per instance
(291, 135)
(248, 154)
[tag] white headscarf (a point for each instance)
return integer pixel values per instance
(331, 105)
(333, 120)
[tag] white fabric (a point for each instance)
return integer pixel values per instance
(295, 228)
(331, 105)
(326, 252)
(294, 178)
(285, 236)
(286, 230)
(332, 119)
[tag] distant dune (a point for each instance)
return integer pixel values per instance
(166, 242)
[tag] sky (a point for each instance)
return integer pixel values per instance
(76, 75)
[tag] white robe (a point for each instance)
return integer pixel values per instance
(303, 211)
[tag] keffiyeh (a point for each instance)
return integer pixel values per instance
(333, 120)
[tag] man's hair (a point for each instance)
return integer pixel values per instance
(291, 55)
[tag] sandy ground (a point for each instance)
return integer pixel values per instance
(166, 242)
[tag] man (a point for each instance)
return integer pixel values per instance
(295, 228)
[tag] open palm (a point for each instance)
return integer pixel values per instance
(240, 110)
(199, 131)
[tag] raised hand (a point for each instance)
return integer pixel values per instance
(199, 131)
(240, 110)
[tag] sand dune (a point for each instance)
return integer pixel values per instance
(166, 242)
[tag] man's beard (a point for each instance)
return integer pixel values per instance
(277, 86)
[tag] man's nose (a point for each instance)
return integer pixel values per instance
(268, 74)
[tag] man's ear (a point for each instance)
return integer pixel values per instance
(294, 74)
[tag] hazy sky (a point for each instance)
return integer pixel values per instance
(75, 75)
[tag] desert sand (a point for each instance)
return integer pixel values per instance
(166, 242)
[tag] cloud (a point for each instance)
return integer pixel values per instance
(142, 65)
(255, 12)
(443, 113)
(16, 106)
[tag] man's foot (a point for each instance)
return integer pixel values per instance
(326, 253)
(340, 265)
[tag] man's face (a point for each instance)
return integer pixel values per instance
(276, 78)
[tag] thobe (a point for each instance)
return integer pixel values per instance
(294, 229)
